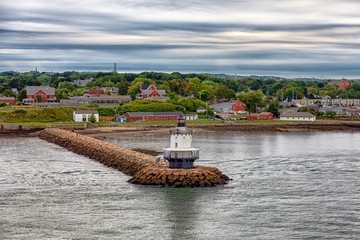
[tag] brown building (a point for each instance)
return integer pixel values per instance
(151, 116)
(260, 116)
(8, 100)
(343, 84)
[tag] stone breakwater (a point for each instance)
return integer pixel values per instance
(139, 165)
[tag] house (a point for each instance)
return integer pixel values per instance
(82, 83)
(84, 115)
(8, 100)
(342, 85)
(120, 118)
(201, 109)
(260, 116)
(151, 116)
(230, 107)
(191, 116)
(149, 91)
(39, 94)
(95, 92)
(291, 115)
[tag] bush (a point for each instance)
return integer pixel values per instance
(92, 118)
(106, 111)
(149, 106)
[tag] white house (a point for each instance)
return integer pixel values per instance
(290, 115)
(84, 115)
(191, 116)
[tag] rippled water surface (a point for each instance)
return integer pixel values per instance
(286, 186)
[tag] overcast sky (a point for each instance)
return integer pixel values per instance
(290, 38)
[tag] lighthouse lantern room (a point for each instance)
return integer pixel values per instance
(181, 154)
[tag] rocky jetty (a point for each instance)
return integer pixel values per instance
(139, 165)
(199, 176)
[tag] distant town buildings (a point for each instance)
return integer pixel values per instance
(343, 84)
(327, 101)
(104, 101)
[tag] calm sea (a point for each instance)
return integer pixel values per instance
(286, 186)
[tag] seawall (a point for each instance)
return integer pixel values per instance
(139, 165)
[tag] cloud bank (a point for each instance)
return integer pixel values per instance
(318, 38)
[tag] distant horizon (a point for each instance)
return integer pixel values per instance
(169, 72)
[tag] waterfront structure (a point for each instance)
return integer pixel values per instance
(84, 115)
(8, 100)
(343, 84)
(39, 94)
(290, 115)
(181, 154)
(260, 116)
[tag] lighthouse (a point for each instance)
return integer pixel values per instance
(181, 154)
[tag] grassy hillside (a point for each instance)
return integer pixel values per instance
(37, 115)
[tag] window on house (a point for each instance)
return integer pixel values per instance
(84, 118)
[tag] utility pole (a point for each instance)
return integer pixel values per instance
(115, 67)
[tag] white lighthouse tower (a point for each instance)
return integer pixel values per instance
(181, 154)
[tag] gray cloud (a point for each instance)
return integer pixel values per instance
(312, 38)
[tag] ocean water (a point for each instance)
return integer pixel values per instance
(285, 186)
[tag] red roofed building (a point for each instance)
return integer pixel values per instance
(149, 91)
(343, 84)
(39, 94)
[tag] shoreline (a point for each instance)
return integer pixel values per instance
(318, 126)
(153, 129)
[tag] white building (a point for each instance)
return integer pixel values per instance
(181, 154)
(291, 115)
(84, 115)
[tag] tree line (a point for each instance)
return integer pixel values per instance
(256, 93)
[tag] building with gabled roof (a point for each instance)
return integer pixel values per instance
(84, 115)
(290, 115)
(230, 107)
(149, 91)
(39, 94)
